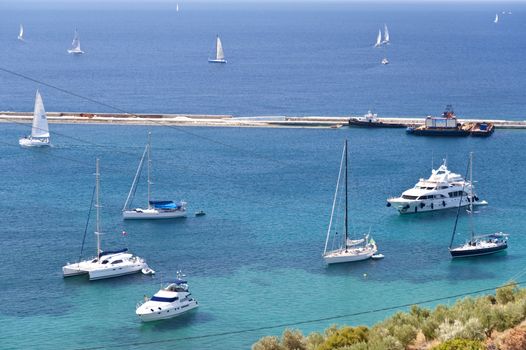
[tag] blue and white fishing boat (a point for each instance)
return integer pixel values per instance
(156, 209)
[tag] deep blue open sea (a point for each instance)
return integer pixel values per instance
(255, 259)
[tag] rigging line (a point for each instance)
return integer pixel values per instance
(290, 324)
(177, 128)
(87, 224)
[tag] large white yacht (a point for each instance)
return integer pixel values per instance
(442, 190)
(105, 264)
(170, 301)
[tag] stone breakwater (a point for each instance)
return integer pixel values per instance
(225, 120)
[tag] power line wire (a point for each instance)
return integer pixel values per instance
(298, 323)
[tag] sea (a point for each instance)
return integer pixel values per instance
(254, 260)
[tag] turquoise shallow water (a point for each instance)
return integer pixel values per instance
(255, 259)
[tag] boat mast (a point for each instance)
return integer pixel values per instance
(346, 200)
(459, 203)
(97, 205)
(149, 170)
(471, 194)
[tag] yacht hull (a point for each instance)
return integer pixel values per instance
(30, 142)
(349, 255)
(465, 253)
(146, 315)
(216, 61)
(411, 207)
(97, 274)
(148, 214)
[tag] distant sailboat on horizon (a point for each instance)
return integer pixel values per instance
(219, 54)
(177, 7)
(40, 130)
(386, 35)
(496, 18)
(378, 39)
(75, 44)
(21, 33)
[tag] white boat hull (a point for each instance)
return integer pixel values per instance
(147, 315)
(127, 265)
(76, 52)
(149, 214)
(109, 272)
(418, 206)
(349, 255)
(216, 61)
(31, 142)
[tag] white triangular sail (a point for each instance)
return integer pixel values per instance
(75, 44)
(496, 18)
(386, 34)
(378, 38)
(220, 55)
(177, 8)
(40, 126)
(21, 33)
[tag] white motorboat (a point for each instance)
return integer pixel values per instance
(105, 264)
(40, 130)
(385, 61)
(442, 190)
(170, 301)
(219, 54)
(378, 39)
(345, 249)
(477, 245)
(21, 33)
(75, 45)
(156, 209)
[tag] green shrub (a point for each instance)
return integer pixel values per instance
(268, 343)
(380, 339)
(343, 337)
(507, 293)
(314, 340)
(293, 340)
(460, 344)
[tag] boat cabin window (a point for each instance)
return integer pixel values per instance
(405, 196)
(94, 260)
(104, 262)
(437, 196)
(163, 299)
(116, 262)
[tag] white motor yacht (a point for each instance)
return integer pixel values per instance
(170, 301)
(105, 264)
(442, 190)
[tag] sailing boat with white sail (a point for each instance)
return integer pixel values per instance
(39, 131)
(105, 264)
(75, 45)
(496, 20)
(386, 35)
(156, 209)
(177, 7)
(21, 33)
(220, 55)
(346, 250)
(378, 39)
(477, 245)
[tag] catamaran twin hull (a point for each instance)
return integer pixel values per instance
(138, 214)
(408, 206)
(97, 271)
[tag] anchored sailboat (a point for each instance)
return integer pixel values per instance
(496, 20)
(105, 264)
(21, 33)
(39, 131)
(156, 209)
(347, 250)
(75, 45)
(220, 55)
(477, 245)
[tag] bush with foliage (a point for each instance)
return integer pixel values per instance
(460, 344)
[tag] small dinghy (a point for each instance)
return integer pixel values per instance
(148, 271)
(377, 256)
(200, 213)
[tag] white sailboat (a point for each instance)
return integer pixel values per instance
(220, 55)
(347, 250)
(21, 33)
(378, 39)
(156, 209)
(75, 44)
(105, 264)
(39, 131)
(496, 20)
(386, 35)
(177, 7)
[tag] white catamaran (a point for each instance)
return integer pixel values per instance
(347, 250)
(75, 45)
(105, 264)
(39, 131)
(220, 55)
(157, 209)
(21, 33)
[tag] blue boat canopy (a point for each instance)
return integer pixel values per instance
(165, 204)
(109, 252)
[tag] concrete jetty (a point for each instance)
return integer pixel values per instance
(226, 120)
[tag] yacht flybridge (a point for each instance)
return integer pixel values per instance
(170, 301)
(442, 190)
(105, 264)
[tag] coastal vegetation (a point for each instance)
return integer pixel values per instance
(472, 323)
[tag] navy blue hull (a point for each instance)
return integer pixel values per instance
(477, 252)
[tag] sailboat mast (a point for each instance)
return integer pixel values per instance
(471, 193)
(149, 170)
(97, 205)
(346, 200)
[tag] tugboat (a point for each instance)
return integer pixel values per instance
(447, 125)
(371, 120)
